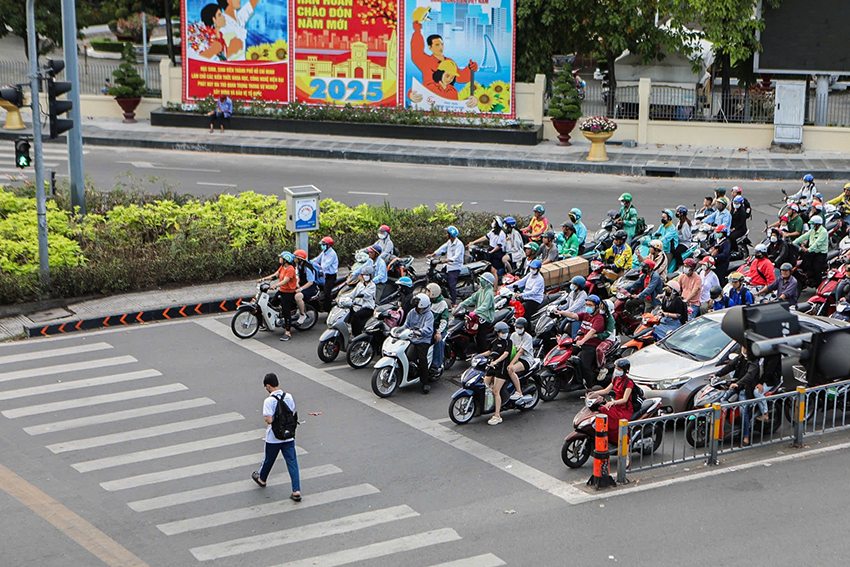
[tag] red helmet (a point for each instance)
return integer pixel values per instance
(720, 228)
(707, 260)
(649, 263)
(301, 254)
(385, 228)
(690, 262)
(328, 240)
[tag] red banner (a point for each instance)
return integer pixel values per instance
(266, 81)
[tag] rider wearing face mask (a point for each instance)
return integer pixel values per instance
(619, 256)
(421, 321)
(658, 257)
(667, 234)
(523, 359)
(691, 283)
(761, 268)
(364, 300)
(497, 374)
(674, 311)
(328, 264)
(484, 300)
(778, 251)
(587, 338)
(497, 245)
(644, 292)
(621, 386)
(533, 287)
(386, 243)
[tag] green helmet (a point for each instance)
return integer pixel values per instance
(534, 247)
(626, 197)
(539, 209)
(720, 191)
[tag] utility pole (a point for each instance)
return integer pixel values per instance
(75, 134)
(40, 204)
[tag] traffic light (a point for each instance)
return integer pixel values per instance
(22, 153)
(829, 357)
(56, 107)
(14, 95)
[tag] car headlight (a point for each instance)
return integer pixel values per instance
(671, 384)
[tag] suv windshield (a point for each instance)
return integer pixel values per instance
(701, 339)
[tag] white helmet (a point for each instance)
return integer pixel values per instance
(434, 290)
(422, 301)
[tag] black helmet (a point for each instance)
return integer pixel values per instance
(550, 236)
(620, 235)
(520, 323)
(624, 364)
(716, 291)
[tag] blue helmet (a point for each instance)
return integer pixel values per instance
(510, 221)
(376, 249)
(452, 231)
(808, 177)
(404, 281)
(594, 298)
(576, 212)
(535, 264)
(287, 257)
(539, 209)
(579, 281)
(738, 200)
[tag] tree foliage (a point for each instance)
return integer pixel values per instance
(565, 103)
(128, 83)
(48, 21)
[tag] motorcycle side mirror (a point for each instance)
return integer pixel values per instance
(783, 192)
(765, 222)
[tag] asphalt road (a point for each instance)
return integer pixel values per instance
(503, 191)
(374, 472)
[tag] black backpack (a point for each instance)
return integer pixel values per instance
(637, 396)
(284, 422)
(640, 226)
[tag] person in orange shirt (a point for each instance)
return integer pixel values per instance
(443, 81)
(284, 299)
(429, 64)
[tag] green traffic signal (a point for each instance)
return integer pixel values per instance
(22, 153)
(23, 161)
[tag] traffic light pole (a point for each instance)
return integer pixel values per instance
(75, 134)
(40, 199)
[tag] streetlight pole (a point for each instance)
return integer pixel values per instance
(40, 199)
(75, 134)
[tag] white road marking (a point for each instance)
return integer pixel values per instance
(486, 560)
(225, 489)
(145, 433)
(336, 367)
(264, 510)
(525, 202)
(443, 420)
(67, 351)
(63, 368)
(93, 400)
(169, 451)
(217, 184)
(149, 165)
(380, 549)
(117, 416)
(309, 532)
(367, 193)
(182, 473)
(77, 384)
(504, 463)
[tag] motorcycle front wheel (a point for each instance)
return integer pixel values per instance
(535, 396)
(360, 353)
(549, 387)
(385, 381)
(462, 409)
(245, 323)
(696, 432)
(329, 349)
(575, 452)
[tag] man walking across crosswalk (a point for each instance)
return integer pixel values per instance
(280, 434)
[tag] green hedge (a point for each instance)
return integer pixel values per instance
(132, 241)
(107, 45)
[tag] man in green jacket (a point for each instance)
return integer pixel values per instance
(628, 217)
(484, 301)
(815, 244)
(567, 241)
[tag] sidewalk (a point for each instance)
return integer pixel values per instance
(678, 161)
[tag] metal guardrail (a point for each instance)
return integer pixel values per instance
(707, 433)
(93, 76)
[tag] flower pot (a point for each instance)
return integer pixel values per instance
(564, 127)
(597, 145)
(129, 105)
(13, 116)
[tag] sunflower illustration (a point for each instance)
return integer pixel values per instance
(500, 90)
(258, 53)
(279, 50)
(486, 99)
(464, 92)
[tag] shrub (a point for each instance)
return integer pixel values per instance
(107, 45)
(128, 83)
(565, 103)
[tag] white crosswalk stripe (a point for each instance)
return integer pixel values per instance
(169, 451)
(93, 400)
(486, 560)
(63, 368)
(308, 532)
(53, 353)
(380, 549)
(226, 489)
(145, 433)
(182, 472)
(77, 384)
(263, 510)
(114, 416)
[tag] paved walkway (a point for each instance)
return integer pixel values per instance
(681, 161)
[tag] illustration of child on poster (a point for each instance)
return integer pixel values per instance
(449, 45)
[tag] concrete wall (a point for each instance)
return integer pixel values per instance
(101, 106)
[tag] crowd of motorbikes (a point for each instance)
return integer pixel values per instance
(386, 347)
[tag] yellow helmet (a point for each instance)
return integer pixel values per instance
(449, 67)
(847, 186)
(421, 14)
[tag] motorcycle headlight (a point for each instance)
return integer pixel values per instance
(671, 384)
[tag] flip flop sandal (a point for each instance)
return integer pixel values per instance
(256, 476)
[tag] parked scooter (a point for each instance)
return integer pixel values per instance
(257, 314)
(397, 367)
(644, 334)
(561, 370)
(578, 445)
(363, 347)
(474, 399)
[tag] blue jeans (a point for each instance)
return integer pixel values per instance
(745, 414)
(288, 451)
(439, 351)
(451, 279)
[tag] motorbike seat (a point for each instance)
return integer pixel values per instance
(644, 407)
(832, 254)
(502, 314)
(473, 267)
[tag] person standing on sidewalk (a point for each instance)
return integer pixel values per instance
(288, 421)
(328, 263)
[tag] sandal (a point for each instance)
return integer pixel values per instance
(256, 476)
(494, 420)
(295, 497)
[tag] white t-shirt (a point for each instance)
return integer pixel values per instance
(268, 411)
(526, 343)
(238, 29)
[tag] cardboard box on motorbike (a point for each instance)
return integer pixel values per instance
(562, 271)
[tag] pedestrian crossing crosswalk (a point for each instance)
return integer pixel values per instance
(188, 486)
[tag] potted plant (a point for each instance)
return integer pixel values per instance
(597, 129)
(129, 86)
(565, 105)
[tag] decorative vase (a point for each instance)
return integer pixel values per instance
(13, 116)
(129, 105)
(597, 145)
(564, 127)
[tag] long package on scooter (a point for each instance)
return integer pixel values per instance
(562, 271)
